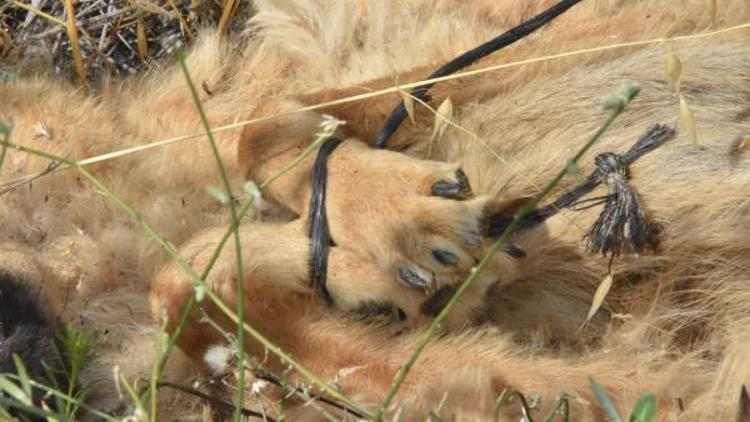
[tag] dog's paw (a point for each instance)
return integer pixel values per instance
(418, 221)
(275, 260)
(415, 219)
(276, 264)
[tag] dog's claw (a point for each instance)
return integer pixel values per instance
(445, 257)
(471, 237)
(458, 189)
(515, 251)
(413, 279)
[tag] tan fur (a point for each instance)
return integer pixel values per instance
(674, 323)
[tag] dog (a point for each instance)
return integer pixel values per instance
(405, 228)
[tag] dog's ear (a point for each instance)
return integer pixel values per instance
(499, 213)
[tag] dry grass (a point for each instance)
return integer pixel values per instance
(141, 50)
(117, 37)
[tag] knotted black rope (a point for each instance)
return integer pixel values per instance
(320, 237)
(507, 38)
(623, 218)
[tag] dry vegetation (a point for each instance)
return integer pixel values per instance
(147, 202)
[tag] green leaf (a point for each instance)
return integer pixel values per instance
(22, 375)
(501, 401)
(644, 410)
(604, 401)
(10, 388)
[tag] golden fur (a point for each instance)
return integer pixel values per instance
(673, 324)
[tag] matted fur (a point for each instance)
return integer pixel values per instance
(675, 322)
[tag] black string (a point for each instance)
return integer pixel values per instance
(507, 38)
(623, 217)
(320, 237)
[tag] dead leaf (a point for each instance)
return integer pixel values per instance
(688, 120)
(599, 296)
(408, 104)
(673, 69)
(442, 117)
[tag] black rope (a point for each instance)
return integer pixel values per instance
(320, 237)
(507, 38)
(623, 217)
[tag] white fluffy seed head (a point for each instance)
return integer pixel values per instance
(217, 358)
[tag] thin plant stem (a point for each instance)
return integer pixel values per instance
(67, 398)
(172, 252)
(209, 399)
(504, 398)
(400, 88)
(75, 46)
(499, 243)
(38, 12)
(6, 136)
(237, 244)
(212, 261)
(562, 406)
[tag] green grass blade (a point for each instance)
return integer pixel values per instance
(644, 410)
(604, 401)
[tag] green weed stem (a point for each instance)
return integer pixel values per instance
(237, 244)
(617, 104)
(172, 252)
